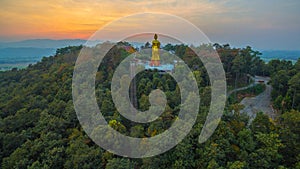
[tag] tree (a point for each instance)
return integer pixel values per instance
(119, 163)
(137, 131)
(144, 103)
(79, 154)
(147, 45)
(266, 154)
(289, 133)
(262, 124)
(236, 165)
(294, 89)
(280, 83)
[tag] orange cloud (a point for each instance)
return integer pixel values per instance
(80, 18)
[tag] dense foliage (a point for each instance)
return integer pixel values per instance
(285, 81)
(39, 128)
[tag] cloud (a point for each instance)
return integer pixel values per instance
(220, 19)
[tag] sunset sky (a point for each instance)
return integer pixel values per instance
(268, 24)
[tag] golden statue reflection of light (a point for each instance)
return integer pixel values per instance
(155, 60)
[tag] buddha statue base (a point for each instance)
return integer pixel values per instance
(154, 63)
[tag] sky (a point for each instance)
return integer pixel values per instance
(267, 24)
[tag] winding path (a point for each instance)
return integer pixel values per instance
(242, 88)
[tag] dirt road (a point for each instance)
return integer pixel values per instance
(260, 103)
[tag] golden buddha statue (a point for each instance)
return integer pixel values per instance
(155, 60)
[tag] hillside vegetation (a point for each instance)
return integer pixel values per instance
(39, 127)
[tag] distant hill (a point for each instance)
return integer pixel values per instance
(22, 53)
(43, 43)
(22, 57)
(268, 55)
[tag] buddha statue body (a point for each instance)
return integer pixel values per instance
(155, 59)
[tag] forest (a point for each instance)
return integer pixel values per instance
(39, 127)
